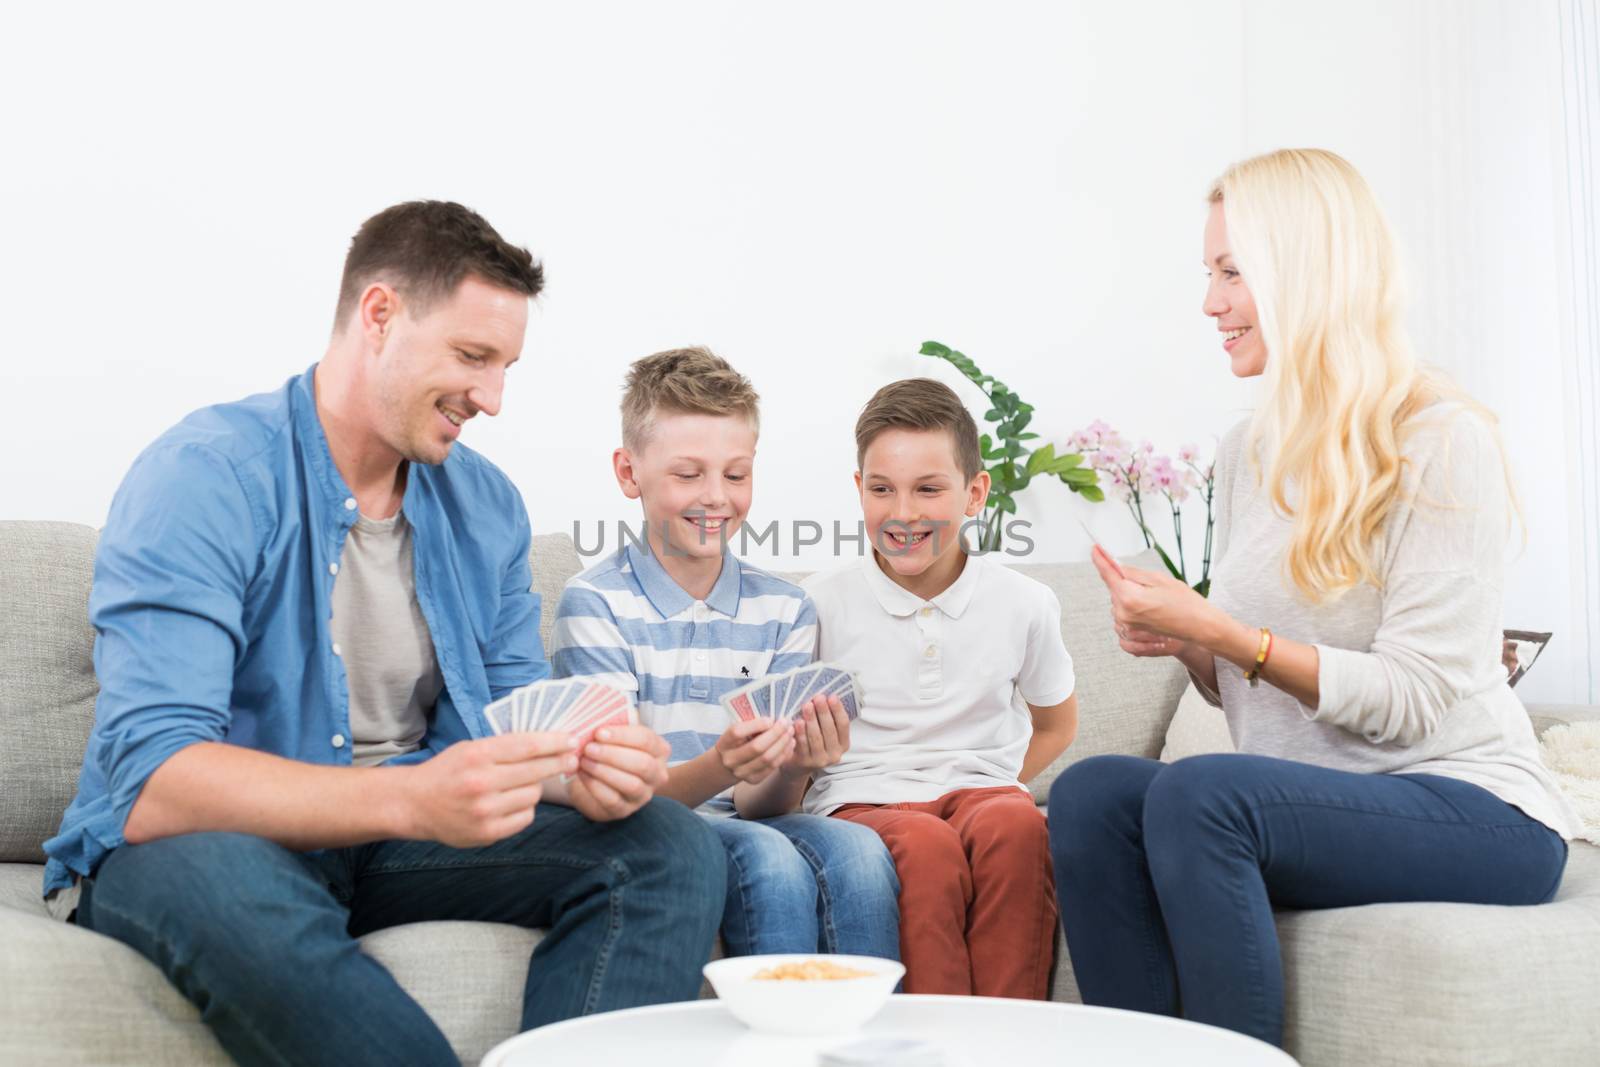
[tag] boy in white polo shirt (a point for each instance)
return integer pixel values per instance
(968, 694)
(679, 621)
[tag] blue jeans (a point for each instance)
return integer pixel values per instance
(263, 939)
(1167, 875)
(806, 883)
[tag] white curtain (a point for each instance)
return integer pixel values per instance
(1580, 99)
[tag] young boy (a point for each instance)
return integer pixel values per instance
(948, 647)
(681, 621)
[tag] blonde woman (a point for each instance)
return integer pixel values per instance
(1352, 639)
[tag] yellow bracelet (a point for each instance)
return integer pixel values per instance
(1254, 674)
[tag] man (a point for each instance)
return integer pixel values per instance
(303, 602)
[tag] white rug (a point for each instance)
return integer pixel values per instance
(1572, 752)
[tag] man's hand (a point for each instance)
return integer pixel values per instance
(821, 738)
(753, 749)
(620, 771)
(475, 793)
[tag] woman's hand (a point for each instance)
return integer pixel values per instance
(1155, 614)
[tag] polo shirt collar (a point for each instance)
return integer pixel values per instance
(668, 597)
(901, 602)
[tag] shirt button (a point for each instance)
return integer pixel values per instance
(338, 741)
(926, 612)
(700, 657)
(336, 651)
(333, 568)
(929, 651)
(349, 503)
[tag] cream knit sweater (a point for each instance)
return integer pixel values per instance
(1410, 677)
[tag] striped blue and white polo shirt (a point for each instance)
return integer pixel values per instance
(626, 622)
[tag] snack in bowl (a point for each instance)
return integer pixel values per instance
(803, 994)
(809, 971)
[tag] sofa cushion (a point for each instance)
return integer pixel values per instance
(553, 559)
(73, 996)
(1400, 984)
(1124, 702)
(47, 683)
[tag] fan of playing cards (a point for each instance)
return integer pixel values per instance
(579, 706)
(781, 696)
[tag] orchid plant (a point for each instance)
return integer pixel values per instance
(1139, 477)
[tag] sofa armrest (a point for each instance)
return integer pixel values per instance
(1545, 716)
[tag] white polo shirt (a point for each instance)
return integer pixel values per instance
(945, 679)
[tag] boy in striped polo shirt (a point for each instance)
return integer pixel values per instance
(678, 622)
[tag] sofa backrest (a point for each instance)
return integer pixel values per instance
(48, 687)
(47, 683)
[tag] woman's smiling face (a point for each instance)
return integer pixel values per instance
(1228, 300)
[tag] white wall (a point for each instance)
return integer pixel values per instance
(812, 191)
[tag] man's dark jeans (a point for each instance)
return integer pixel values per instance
(263, 939)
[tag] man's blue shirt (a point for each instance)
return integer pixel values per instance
(212, 601)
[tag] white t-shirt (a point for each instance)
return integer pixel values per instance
(945, 680)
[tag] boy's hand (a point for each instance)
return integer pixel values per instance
(620, 771)
(822, 734)
(475, 793)
(753, 749)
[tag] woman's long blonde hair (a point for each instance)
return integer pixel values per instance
(1342, 384)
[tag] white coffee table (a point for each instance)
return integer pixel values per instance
(971, 1031)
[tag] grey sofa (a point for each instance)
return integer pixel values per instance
(1400, 984)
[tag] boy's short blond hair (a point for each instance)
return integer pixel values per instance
(683, 381)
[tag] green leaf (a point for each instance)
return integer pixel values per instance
(1079, 476)
(1029, 436)
(1014, 449)
(1089, 492)
(1021, 421)
(1007, 505)
(934, 348)
(1041, 459)
(1068, 460)
(1166, 559)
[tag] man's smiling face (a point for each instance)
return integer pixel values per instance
(440, 368)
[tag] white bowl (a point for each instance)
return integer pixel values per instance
(802, 1006)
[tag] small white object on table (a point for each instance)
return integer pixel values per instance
(968, 1031)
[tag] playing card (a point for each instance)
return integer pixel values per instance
(802, 687)
(782, 686)
(845, 689)
(618, 716)
(520, 716)
(499, 714)
(568, 697)
(761, 698)
(738, 703)
(551, 698)
(593, 694)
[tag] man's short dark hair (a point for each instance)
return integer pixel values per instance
(424, 248)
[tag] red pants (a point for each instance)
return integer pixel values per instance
(977, 894)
